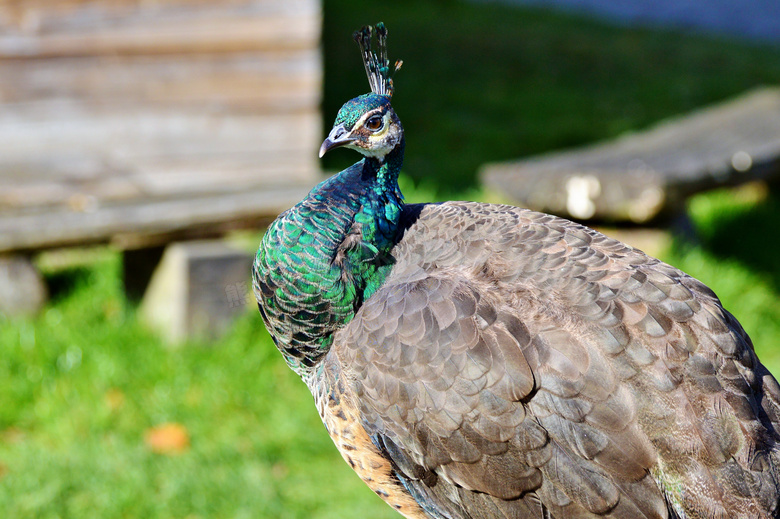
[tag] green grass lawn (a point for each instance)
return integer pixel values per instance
(81, 384)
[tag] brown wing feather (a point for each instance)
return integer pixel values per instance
(515, 363)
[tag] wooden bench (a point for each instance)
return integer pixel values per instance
(138, 124)
(646, 175)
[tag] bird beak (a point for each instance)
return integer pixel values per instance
(338, 136)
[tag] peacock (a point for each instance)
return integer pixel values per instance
(472, 360)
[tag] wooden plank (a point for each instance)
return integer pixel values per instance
(156, 180)
(152, 217)
(258, 82)
(230, 173)
(40, 129)
(643, 175)
(218, 168)
(124, 120)
(84, 160)
(37, 29)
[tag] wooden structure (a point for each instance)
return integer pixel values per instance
(645, 175)
(138, 122)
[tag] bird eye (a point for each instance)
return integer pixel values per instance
(374, 123)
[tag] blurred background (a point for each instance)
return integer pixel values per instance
(145, 144)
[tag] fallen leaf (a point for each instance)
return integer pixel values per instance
(12, 435)
(169, 438)
(115, 399)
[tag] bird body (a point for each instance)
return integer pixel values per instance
(472, 360)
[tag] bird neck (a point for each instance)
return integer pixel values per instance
(389, 167)
(321, 259)
(376, 223)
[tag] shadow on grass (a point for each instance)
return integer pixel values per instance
(64, 282)
(748, 235)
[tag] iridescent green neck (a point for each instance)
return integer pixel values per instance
(321, 259)
(378, 219)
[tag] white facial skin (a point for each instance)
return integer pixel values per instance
(375, 134)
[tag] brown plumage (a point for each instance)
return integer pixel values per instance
(476, 361)
(521, 365)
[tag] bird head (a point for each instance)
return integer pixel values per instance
(368, 123)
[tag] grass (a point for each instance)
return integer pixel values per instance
(81, 384)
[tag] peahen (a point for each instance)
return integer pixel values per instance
(472, 360)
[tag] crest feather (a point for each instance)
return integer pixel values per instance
(377, 65)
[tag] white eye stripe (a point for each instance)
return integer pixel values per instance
(363, 121)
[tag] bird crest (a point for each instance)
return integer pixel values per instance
(377, 65)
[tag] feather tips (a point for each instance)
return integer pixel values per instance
(377, 65)
(618, 386)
